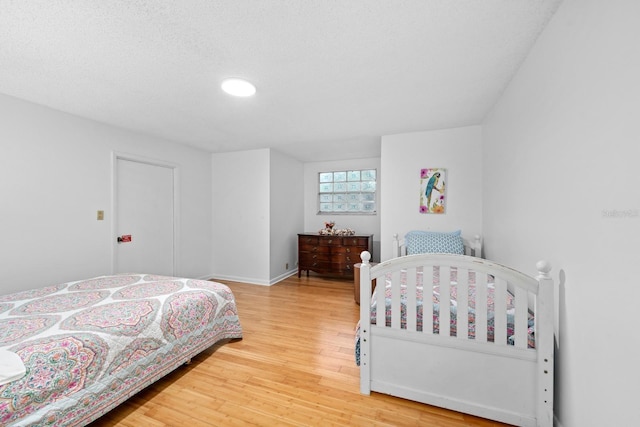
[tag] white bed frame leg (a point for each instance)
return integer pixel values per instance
(396, 247)
(365, 323)
(545, 345)
(476, 246)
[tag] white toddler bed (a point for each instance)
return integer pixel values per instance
(501, 369)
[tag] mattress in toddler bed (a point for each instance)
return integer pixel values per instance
(88, 345)
(452, 299)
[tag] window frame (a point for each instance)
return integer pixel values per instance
(346, 179)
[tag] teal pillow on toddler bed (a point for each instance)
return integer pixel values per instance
(423, 242)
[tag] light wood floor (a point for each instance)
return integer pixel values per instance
(294, 367)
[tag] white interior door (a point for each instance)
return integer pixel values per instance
(144, 211)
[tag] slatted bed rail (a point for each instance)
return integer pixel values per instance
(478, 307)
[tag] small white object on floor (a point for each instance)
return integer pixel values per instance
(11, 367)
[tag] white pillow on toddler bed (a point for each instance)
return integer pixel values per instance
(423, 242)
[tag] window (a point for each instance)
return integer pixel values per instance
(348, 192)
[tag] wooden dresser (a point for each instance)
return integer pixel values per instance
(331, 255)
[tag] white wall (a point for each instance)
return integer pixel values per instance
(459, 151)
(287, 214)
(361, 224)
(257, 210)
(241, 216)
(56, 172)
(561, 182)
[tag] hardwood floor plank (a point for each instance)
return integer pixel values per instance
(294, 367)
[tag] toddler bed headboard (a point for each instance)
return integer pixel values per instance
(419, 242)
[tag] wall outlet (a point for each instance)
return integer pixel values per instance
(286, 266)
(100, 215)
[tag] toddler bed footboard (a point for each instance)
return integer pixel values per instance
(461, 333)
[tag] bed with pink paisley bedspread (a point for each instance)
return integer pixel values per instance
(89, 345)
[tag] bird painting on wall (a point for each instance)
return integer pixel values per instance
(432, 190)
(433, 182)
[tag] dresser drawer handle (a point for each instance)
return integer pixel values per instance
(329, 241)
(348, 250)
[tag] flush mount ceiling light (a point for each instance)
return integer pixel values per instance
(238, 87)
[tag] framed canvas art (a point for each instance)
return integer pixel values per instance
(432, 190)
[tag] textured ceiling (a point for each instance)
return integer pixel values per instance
(332, 76)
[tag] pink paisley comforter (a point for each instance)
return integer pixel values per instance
(89, 345)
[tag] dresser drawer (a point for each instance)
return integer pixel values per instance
(353, 250)
(351, 259)
(307, 247)
(356, 241)
(346, 257)
(311, 257)
(331, 241)
(308, 240)
(316, 265)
